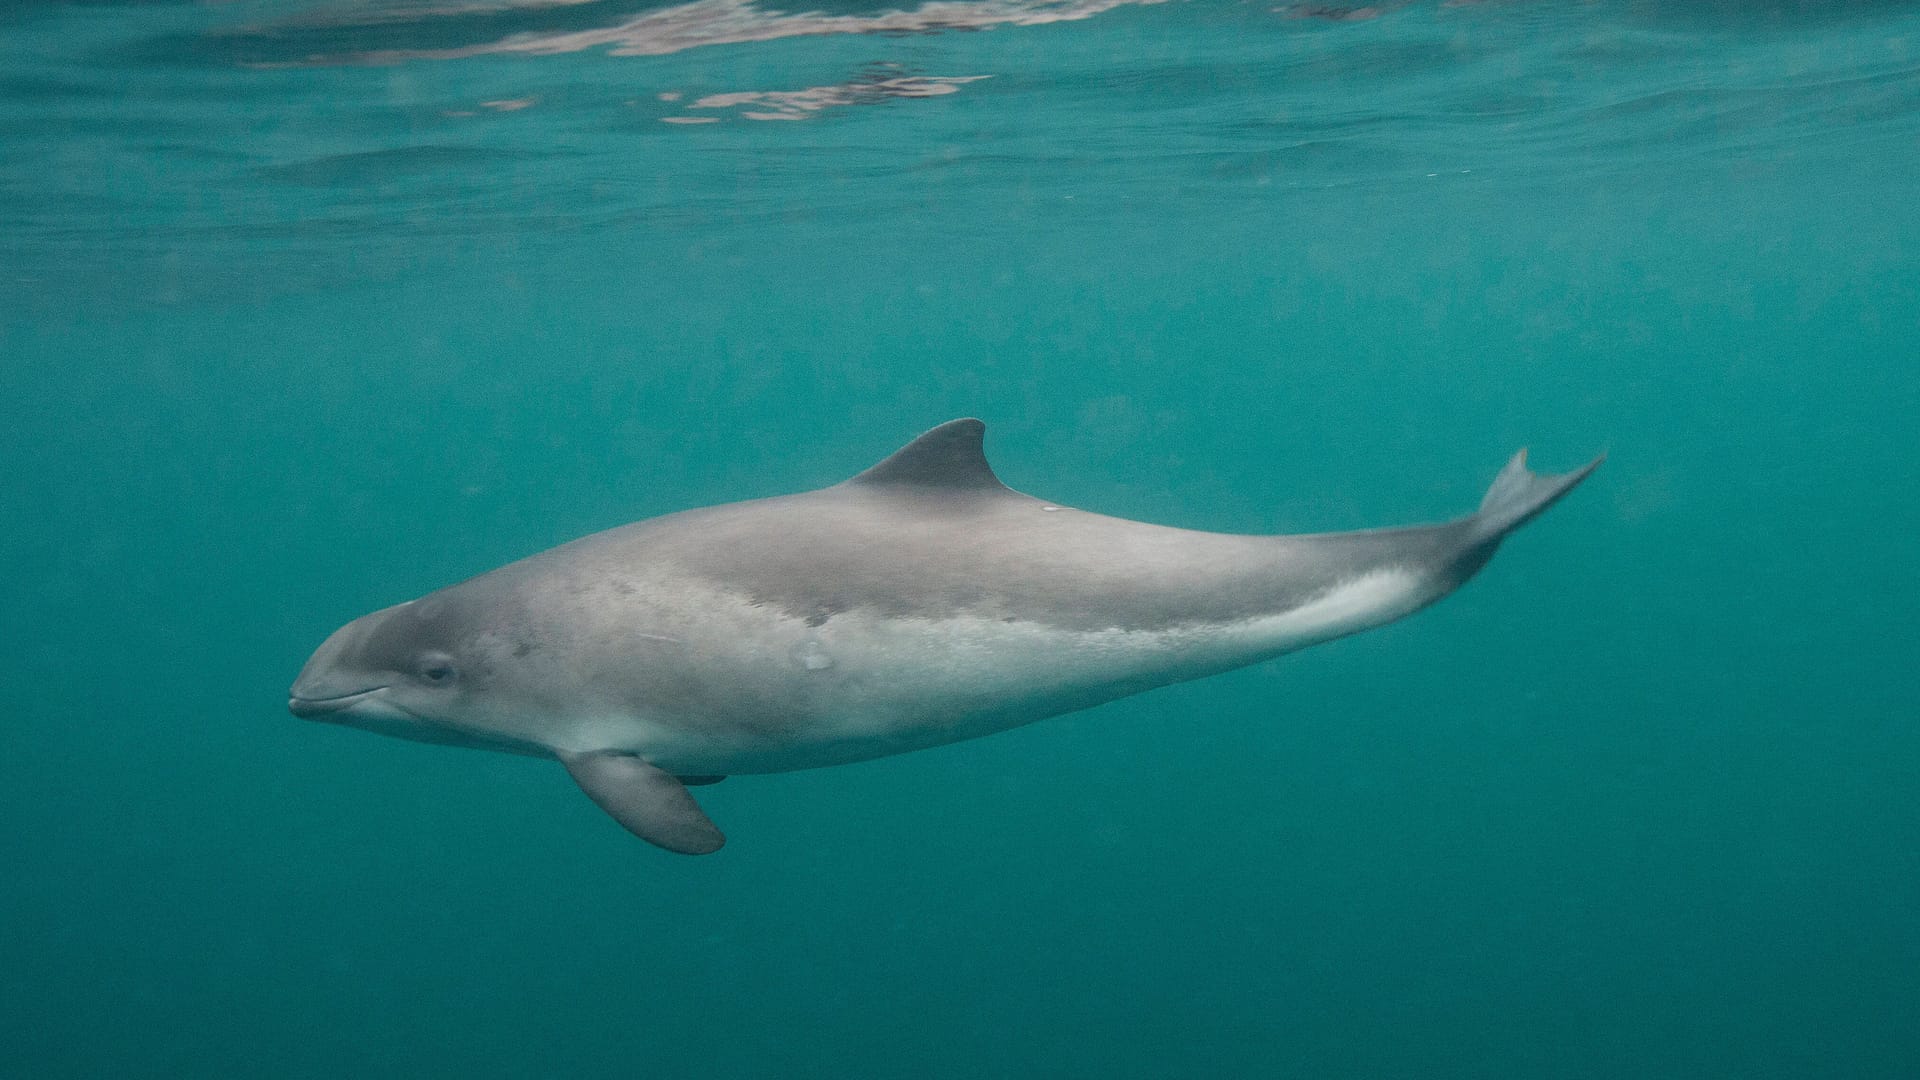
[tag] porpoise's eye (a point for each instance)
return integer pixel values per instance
(437, 668)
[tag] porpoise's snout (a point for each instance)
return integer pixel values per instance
(330, 682)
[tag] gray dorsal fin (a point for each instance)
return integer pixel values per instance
(949, 457)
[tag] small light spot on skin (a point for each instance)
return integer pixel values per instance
(812, 655)
(1051, 509)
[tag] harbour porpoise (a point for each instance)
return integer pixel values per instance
(921, 602)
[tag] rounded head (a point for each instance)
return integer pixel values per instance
(427, 669)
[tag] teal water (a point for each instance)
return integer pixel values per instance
(309, 309)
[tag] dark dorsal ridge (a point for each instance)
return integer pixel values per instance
(950, 458)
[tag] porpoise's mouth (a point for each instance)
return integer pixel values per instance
(305, 707)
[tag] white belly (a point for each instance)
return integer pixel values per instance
(861, 686)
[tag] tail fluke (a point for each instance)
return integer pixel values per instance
(1519, 494)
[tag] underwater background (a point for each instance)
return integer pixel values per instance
(306, 309)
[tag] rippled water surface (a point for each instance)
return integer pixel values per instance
(308, 308)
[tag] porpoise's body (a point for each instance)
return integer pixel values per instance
(920, 603)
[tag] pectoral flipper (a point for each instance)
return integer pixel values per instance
(648, 802)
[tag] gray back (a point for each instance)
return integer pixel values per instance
(932, 533)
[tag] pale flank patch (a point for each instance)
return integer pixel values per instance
(922, 665)
(1350, 606)
(863, 685)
